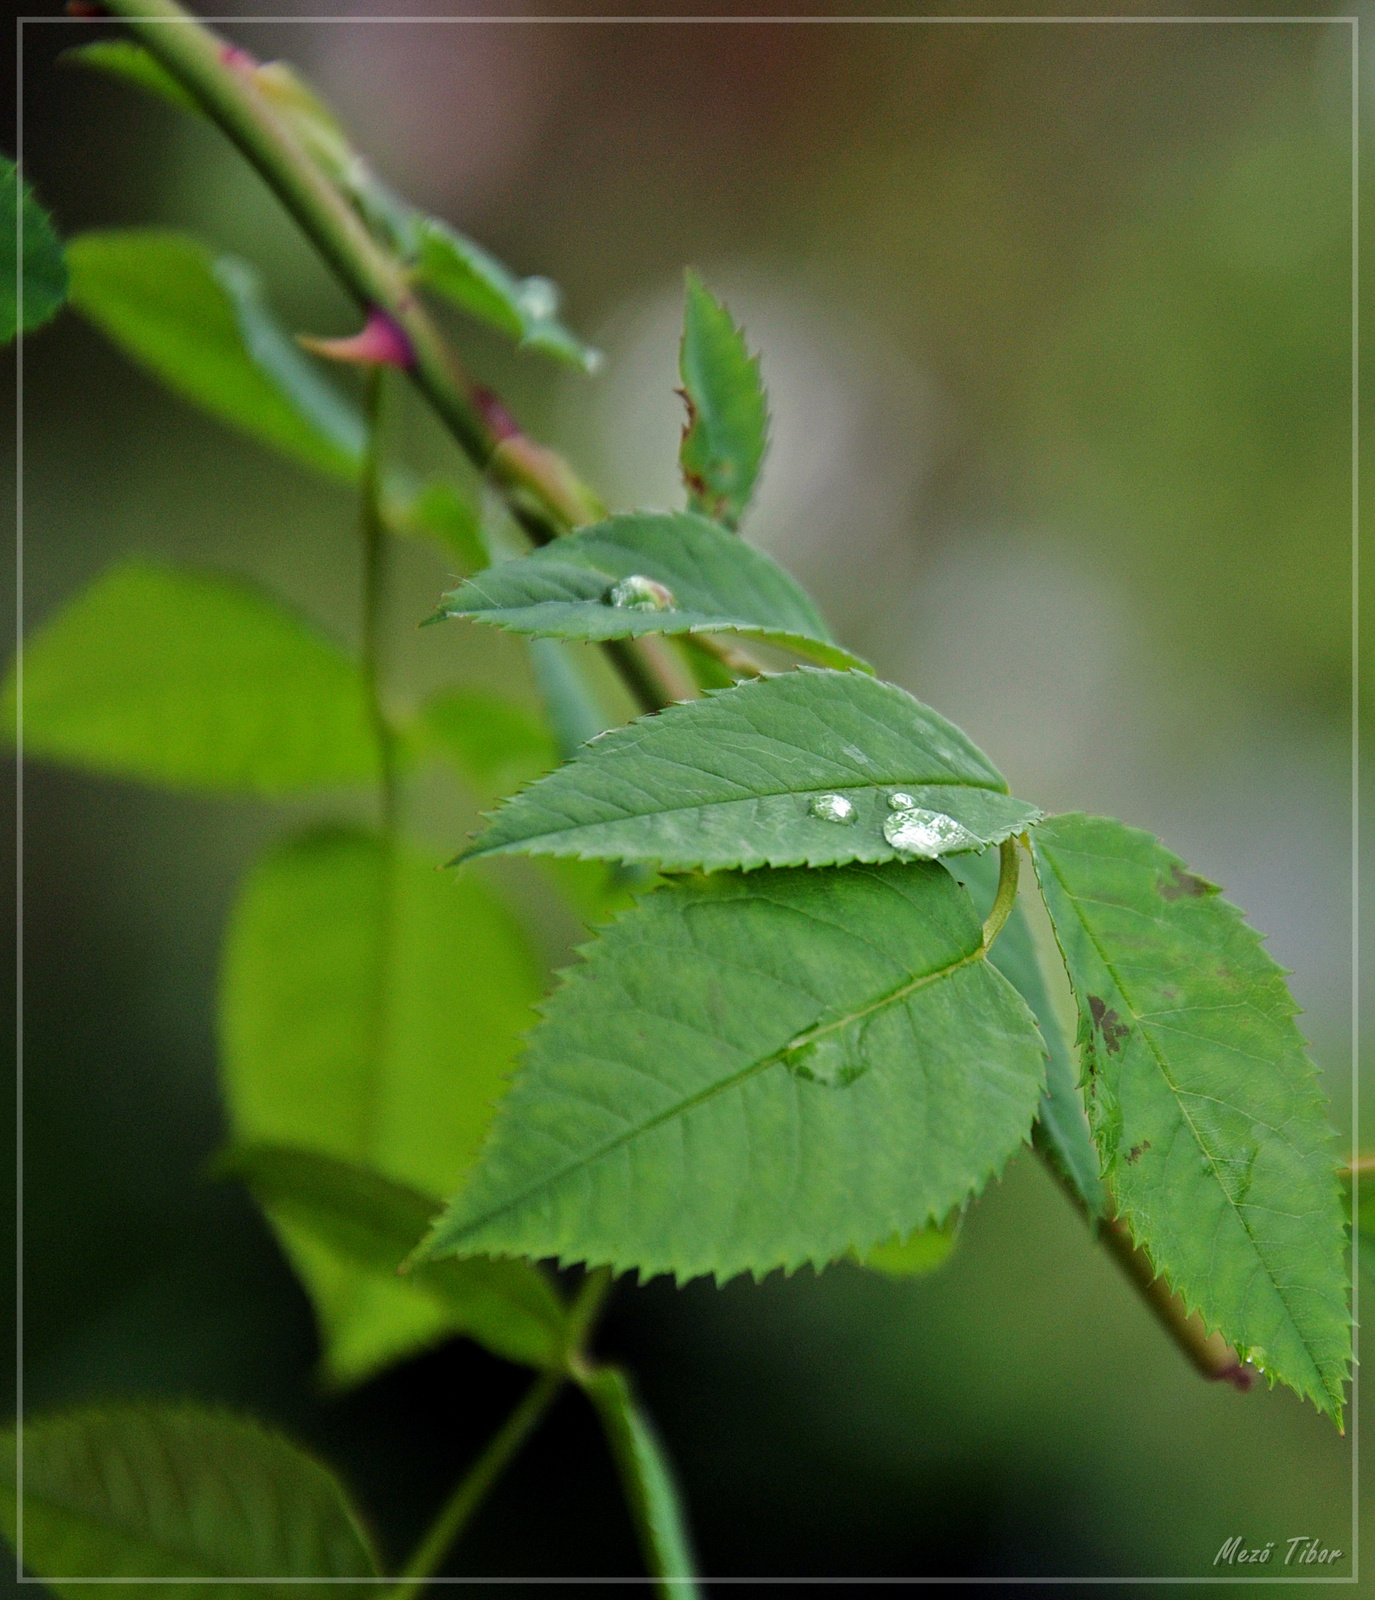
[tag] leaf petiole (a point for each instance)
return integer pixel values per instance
(472, 1489)
(1006, 897)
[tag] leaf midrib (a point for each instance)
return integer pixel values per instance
(705, 805)
(722, 1086)
(1138, 1018)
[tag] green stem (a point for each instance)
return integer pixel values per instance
(542, 491)
(541, 483)
(586, 1308)
(373, 532)
(1208, 1353)
(1006, 897)
(457, 1510)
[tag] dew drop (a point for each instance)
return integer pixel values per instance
(539, 299)
(638, 593)
(832, 808)
(901, 801)
(927, 833)
(825, 1061)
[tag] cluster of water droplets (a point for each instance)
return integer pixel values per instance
(917, 832)
(910, 829)
(638, 593)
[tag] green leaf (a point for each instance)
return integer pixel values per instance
(158, 1492)
(727, 429)
(1206, 1111)
(759, 775)
(525, 309)
(45, 269)
(195, 681)
(370, 1010)
(918, 1254)
(648, 1481)
(758, 1070)
(199, 325)
(1062, 1129)
(673, 572)
(438, 512)
(493, 742)
(572, 710)
(122, 58)
(509, 1307)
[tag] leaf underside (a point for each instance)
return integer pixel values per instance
(370, 1010)
(727, 430)
(1062, 1129)
(732, 780)
(1205, 1108)
(509, 1307)
(670, 1117)
(525, 309)
(175, 1491)
(195, 681)
(716, 583)
(159, 296)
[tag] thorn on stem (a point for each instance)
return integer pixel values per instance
(238, 60)
(379, 343)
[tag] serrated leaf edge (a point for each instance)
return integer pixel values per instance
(1336, 1402)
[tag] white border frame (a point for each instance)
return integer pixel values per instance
(1353, 23)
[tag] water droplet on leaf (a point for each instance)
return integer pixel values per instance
(539, 299)
(832, 808)
(825, 1061)
(927, 833)
(901, 801)
(638, 593)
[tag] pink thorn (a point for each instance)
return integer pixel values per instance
(381, 343)
(237, 60)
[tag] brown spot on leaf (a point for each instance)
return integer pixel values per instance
(1179, 884)
(1109, 1024)
(1137, 1151)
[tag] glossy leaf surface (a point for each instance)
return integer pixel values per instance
(176, 1491)
(727, 430)
(1206, 1111)
(525, 309)
(753, 1071)
(647, 1478)
(798, 769)
(370, 1010)
(45, 268)
(702, 580)
(200, 326)
(194, 681)
(510, 1307)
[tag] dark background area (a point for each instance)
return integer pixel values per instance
(1056, 326)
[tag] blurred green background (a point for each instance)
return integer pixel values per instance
(1056, 325)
